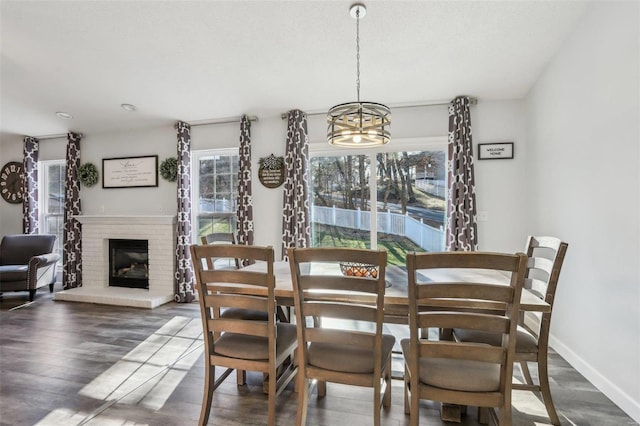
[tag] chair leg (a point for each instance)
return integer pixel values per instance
(543, 376)
(407, 407)
(51, 288)
(241, 377)
(376, 405)
(207, 397)
(386, 400)
(32, 294)
(322, 388)
(526, 375)
(271, 419)
(414, 415)
(504, 416)
(303, 399)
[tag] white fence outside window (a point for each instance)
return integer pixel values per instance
(427, 237)
(431, 186)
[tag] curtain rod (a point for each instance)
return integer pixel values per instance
(58, 136)
(473, 101)
(220, 121)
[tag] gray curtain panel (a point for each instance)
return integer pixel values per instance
(72, 258)
(30, 186)
(462, 229)
(244, 214)
(295, 212)
(184, 288)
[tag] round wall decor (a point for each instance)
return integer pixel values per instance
(88, 174)
(169, 169)
(11, 182)
(271, 171)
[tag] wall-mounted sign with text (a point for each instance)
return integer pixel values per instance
(495, 151)
(271, 171)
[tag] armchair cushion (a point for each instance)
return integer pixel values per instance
(27, 263)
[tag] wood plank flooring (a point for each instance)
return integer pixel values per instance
(68, 363)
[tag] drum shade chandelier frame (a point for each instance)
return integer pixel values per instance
(358, 124)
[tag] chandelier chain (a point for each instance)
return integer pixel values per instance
(358, 52)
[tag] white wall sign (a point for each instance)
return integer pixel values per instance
(130, 172)
(495, 151)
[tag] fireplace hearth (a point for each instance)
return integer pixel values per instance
(129, 263)
(97, 230)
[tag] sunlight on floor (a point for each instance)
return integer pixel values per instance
(147, 375)
(65, 417)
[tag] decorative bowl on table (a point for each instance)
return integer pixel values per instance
(355, 269)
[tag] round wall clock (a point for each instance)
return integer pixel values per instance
(11, 182)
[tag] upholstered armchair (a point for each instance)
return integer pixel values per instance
(27, 263)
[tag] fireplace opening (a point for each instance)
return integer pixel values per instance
(129, 263)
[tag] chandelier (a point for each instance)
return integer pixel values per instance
(358, 124)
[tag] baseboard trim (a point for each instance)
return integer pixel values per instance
(623, 400)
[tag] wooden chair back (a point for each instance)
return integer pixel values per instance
(546, 256)
(220, 238)
(459, 305)
(218, 290)
(333, 308)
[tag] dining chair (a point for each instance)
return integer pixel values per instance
(347, 346)
(449, 371)
(221, 238)
(229, 238)
(240, 343)
(545, 258)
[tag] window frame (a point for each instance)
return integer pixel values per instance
(43, 203)
(196, 157)
(431, 143)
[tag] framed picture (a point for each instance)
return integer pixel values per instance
(495, 151)
(130, 172)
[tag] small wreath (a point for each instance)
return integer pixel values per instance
(271, 162)
(169, 169)
(88, 174)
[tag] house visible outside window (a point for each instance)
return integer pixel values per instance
(398, 192)
(51, 176)
(215, 191)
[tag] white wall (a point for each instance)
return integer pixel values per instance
(583, 162)
(499, 183)
(10, 214)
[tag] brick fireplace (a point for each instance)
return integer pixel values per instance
(97, 230)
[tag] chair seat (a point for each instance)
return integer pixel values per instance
(243, 346)
(13, 272)
(525, 341)
(453, 374)
(246, 314)
(345, 358)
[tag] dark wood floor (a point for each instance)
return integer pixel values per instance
(66, 363)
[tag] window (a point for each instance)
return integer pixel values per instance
(51, 189)
(398, 193)
(215, 191)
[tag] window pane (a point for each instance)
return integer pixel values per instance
(55, 189)
(410, 202)
(52, 210)
(223, 164)
(340, 201)
(217, 193)
(409, 186)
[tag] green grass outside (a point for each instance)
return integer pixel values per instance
(334, 236)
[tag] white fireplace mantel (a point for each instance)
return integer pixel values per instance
(158, 230)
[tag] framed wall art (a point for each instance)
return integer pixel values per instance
(495, 151)
(130, 172)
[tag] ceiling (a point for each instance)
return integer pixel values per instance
(199, 60)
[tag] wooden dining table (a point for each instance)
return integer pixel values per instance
(396, 294)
